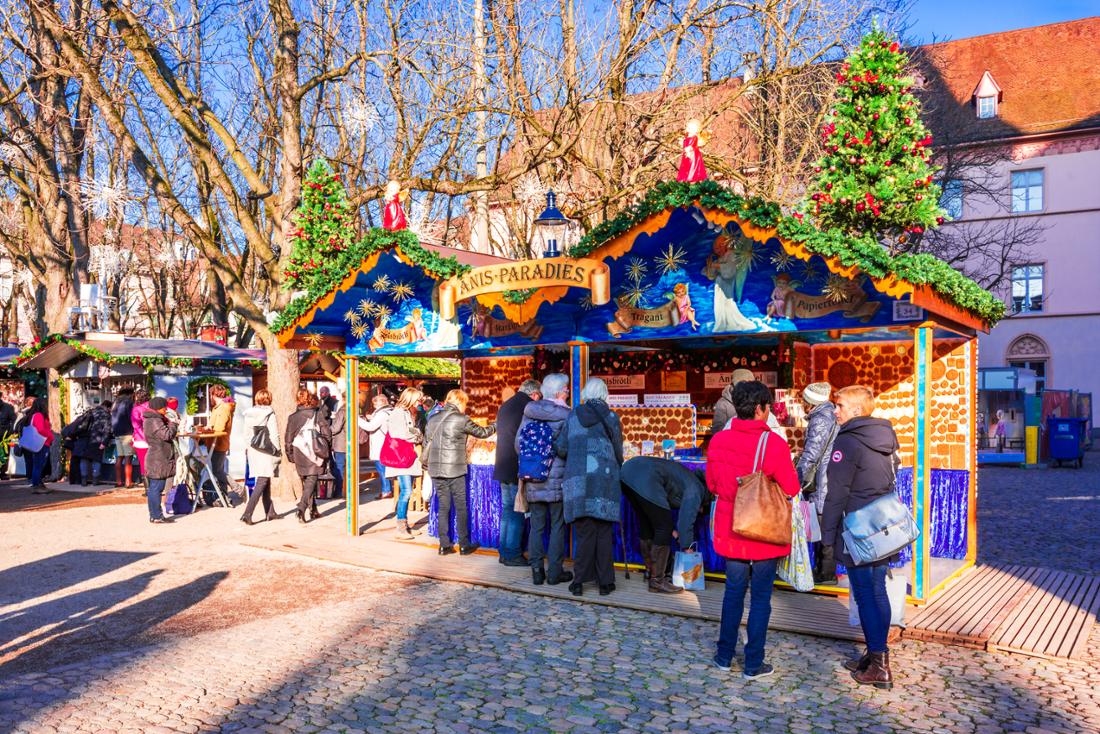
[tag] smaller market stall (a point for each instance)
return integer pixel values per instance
(95, 366)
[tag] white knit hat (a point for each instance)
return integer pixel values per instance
(817, 393)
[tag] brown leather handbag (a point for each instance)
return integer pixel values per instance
(761, 510)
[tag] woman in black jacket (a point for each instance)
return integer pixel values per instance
(862, 469)
(160, 461)
(308, 468)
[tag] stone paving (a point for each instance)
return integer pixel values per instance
(109, 624)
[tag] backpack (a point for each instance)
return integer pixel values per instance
(536, 451)
(310, 443)
(179, 501)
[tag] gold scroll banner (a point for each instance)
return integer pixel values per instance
(628, 317)
(524, 275)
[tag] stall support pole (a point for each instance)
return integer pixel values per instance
(922, 470)
(578, 370)
(351, 468)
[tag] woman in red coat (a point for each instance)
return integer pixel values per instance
(748, 562)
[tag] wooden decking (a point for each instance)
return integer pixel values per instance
(1031, 611)
(1016, 609)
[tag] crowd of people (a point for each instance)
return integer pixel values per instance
(556, 465)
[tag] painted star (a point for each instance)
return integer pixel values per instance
(636, 270)
(381, 283)
(782, 260)
(672, 259)
(401, 292)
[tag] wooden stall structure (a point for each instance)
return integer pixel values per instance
(664, 302)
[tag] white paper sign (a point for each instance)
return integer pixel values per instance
(713, 380)
(624, 382)
(905, 311)
(665, 400)
(622, 401)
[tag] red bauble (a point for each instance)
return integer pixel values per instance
(832, 169)
(920, 197)
(859, 108)
(887, 164)
(862, 161)
(939, 220)
(908, 121)
(828, 187)
(874, 116)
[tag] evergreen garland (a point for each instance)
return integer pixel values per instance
(192, 394)
(147, 362)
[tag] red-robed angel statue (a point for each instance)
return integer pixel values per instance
(692, 168)
(393, 216)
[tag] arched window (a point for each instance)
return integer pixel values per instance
(1030, 352)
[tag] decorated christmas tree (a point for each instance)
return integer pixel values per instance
(325, 226)
(875, 178)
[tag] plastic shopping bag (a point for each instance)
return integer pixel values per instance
(897, 587)
(813, 524)
(687, 570)
(427, 487)
(796, 569)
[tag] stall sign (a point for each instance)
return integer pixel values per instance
(664, 400)
(714, 380)
(674, 381)
(622, 401)
(624, 382)
(906, 311)
(771, 379)
(593, 275)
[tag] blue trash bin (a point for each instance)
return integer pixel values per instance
(1067, 440)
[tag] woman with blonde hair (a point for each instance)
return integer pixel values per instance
(399, 454)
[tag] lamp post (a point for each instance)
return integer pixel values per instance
(550, 226)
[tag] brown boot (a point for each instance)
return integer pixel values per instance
(877, 673)
(658, 582)
(646, 547)
(402, 531)
(859, 663)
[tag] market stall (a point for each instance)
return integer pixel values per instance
(664, 302)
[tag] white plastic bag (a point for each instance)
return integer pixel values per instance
(426, 488)
(687, 570)
(897, 587)
(797, 568)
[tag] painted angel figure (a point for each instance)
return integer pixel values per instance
(393, 216)
(692, 168)
(777, 307)
(684, 310)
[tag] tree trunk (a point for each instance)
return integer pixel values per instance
(282, 381)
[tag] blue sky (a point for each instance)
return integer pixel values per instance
(951, 19)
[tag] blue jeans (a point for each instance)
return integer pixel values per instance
(156, 489)
(405, 484)
(384, 484)
(869, 590)
(89, 471)
(757, 577)
(511, 523)
(36, 464)
(339, 466)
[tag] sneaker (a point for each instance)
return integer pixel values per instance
(762, 672)
(718, 664)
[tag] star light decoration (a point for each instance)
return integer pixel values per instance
(782, 260)
(401, 292)
(744, 254)
(358, 330)
(636, 270)
(586, 302)
(351, 317)
(672, 259)
(633, 295)
(529, 190)
(105, 199)
(383, 312)
(836, 288)
(360, 116)
(313, 339)
(381, 283)
(366, 307)
(810, 273)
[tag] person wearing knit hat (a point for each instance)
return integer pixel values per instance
(812, 466)
(723, 409)
(160, 460)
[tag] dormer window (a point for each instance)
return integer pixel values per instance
(987, 96)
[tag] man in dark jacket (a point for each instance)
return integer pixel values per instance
(812, 466)
(655, 487)
(445, 447)
(506, 472)
(544, 498)
(7, 426)
(91, 435)
(309, 468)
(122, 428)
(160, 459)
(862, 468)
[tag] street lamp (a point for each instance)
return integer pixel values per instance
(550, 226)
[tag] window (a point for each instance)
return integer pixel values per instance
(1027, 191)
(987, 107)
(1027, 289)
(952, 199)
(1039, 367)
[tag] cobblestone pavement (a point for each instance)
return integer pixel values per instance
(1041, 517)
(110, 624)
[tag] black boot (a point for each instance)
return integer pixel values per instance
(825, 569)
(859, 663)
(646, 546)
(877, 673)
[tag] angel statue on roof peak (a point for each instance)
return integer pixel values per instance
(393, 215)
(692, 168)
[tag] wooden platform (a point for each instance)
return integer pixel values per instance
(810, 614)
(1031, 611)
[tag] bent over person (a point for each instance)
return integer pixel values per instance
(861, 469)
(445, 448)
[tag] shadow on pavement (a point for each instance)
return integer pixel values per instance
(47, 575)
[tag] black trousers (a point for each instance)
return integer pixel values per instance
(554, 552)
(309, 493)
(262, 491)
(595, 544)
(452, 490)
(654, 522)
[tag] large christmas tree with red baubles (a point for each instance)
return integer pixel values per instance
(875, 178)
(326, 225)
